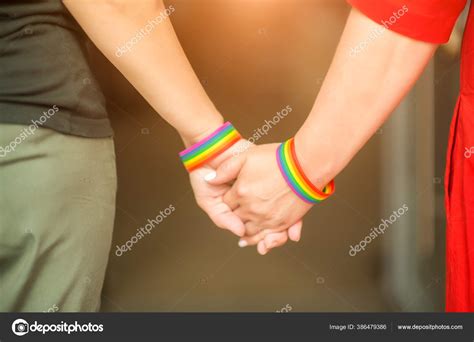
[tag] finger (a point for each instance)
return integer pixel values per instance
(231, 199)
(254, 239)
(251, 228)
(227, 171)
(261, 248)
(274, 240)
(294, 232)
(251, 240)
(243, 214)
(225, 218)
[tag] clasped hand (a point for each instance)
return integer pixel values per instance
(244, 192)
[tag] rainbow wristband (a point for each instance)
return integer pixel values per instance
(294, 176)
(210, 147)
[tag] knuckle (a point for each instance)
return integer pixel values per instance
(256, 209)
(252, 231)
(257, 234)
(270, 217)
(278, 217)
(242, 191)
(276, 222)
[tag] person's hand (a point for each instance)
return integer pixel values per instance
(210, 198)
(269, 239)
(261, 198)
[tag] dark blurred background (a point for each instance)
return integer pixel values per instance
(255, 58)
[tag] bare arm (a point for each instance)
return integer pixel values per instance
(155, 65)
(359, 93)
(357, 96)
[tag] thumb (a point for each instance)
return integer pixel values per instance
(226, 172)
(294, 232)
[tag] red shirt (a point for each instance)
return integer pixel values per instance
(427, 20)
(433, 21)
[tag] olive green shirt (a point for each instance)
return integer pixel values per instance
(45, 78)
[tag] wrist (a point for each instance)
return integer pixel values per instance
(310, 191)
(241, 146)
(201, 130)
(316, 160)
(210, 147)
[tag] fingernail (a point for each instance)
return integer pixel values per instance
(243, 243)
(210, 176)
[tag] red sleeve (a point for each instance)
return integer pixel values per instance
(426, 20)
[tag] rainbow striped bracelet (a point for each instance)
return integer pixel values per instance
(296, 179)
(210, 147)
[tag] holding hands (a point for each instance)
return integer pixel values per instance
(259, 195)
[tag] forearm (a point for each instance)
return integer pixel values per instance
(156, 65)
(357, 96)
